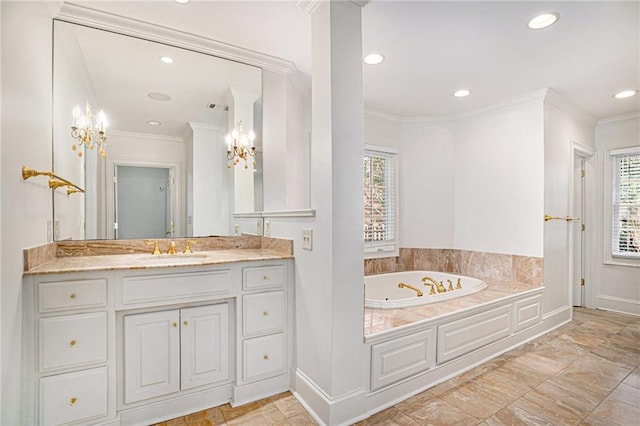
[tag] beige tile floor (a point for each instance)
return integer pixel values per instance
(584, 373)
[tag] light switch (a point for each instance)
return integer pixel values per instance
(307, 239)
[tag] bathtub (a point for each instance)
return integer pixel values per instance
(382, 291)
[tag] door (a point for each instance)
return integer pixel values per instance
(142, 202)
(578, 232)
(151, 355)
(204, 345)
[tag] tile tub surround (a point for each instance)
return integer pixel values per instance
(482, 265)
(379, 320)
(70, 254)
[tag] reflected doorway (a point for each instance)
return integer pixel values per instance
(142, 202)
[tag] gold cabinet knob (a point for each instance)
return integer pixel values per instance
(186, 323)
(72, 343)
(175, 324)
(73, 401)
(265, 357)
(265, 314)
(265, 277)
(72, 296)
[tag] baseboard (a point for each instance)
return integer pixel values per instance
(619, 304)
(250, 392)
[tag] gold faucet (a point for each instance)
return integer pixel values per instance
(438, 285)
(450, 288)
(433, 289)
(187, 247)
(458, 285)
(156, 248)
(172, 248)
(403, 285)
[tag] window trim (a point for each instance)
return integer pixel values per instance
(608, 192)
(389, 248)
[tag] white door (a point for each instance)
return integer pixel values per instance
(577, 228)
(151, 355)
(205, 345)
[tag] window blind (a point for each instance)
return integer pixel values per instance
(626, 203)
(379, 201)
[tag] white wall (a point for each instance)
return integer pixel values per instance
(618, 279)
(26, 140)
(427, 173)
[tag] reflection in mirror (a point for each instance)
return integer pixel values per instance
(167, 113)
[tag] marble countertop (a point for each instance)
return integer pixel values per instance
(381, 320)
(146, 261)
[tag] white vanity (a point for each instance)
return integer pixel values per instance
(138, 345)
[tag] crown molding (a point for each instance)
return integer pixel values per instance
(381, 114)
(617, 118)
(83, 15)
(554, 98)
(148, 136)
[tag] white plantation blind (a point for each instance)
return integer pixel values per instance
(379, 201)
(626, 203)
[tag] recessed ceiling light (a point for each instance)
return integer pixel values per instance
(166, 59)
(159, 96)
(154, 123)
(461, 93)
(373, 59)
(543, 20)
(181, 1)
(625, 94)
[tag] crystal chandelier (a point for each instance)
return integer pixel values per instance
(240, 146)
(89, 130)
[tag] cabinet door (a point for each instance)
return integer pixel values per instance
(204, 345)
(151, 355)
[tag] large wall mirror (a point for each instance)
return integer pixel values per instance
(167, 110)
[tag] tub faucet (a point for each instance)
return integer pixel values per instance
(403, 285)
(438, 285)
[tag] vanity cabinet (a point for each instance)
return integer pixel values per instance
(139, 346)
(173, 350)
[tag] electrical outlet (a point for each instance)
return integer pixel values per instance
(236, 230)
(259, 227)
(307, 239)
(49, 231)
(267, 228)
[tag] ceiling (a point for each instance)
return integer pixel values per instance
(435, 48)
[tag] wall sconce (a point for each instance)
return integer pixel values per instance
(88, 129)
(240, 146)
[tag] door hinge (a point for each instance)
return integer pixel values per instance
(582, 282)
(582, 227)
(582, 173)
(115, 179)
(173, 181)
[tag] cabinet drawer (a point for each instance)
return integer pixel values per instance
(73, 397)
(467, 334)
(263, 277)
(181, 287)
(400, 358)
(263, 312)
(264, 357)
(55, 296)
(72, 340)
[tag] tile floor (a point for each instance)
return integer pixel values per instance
(584, 373)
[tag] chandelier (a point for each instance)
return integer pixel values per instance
(240, 146)
(89, 130)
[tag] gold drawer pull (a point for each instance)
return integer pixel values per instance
(186, 323)
(72, 296)
(175, 324)
(72, 343)
(73, 401)
(266, 278)
(265, 314)
(265, 357)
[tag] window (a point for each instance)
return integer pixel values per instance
(626, 203)
(380, 229)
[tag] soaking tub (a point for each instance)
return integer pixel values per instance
(384, 292)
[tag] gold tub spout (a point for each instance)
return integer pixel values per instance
(438, 285)
(403, 285)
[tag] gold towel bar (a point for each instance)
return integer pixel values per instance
(55, 181)
(567, 218)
